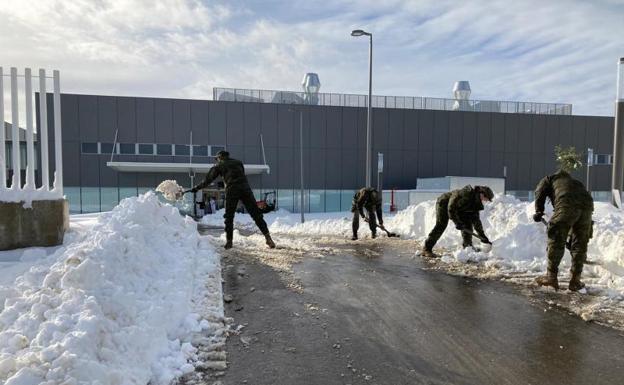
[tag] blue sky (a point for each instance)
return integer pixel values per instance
(544, 51)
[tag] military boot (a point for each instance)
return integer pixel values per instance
(428, 253)
(354, 237)
(269, 241)
(550, 279)
(575, 282)
(228, 240)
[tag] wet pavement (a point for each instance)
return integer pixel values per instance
(369, 313)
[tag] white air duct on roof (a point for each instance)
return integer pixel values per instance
(461, 94)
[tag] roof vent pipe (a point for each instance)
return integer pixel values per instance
(311, 86)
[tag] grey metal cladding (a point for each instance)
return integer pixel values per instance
(425, 130)
(235, 124)
(425, 164)
(251, 124)
(69, 114)
(268, 124)
(469, 133)
(107, 118)
(511, 133)
(318, 128)
(217, 123)
(334, 127)
(287, 117)
(126, 120)
(498, 132)
(199, 121)
(484, 132)
(456, 126)
(181, 121)
(163, 121)
(440, 132)
(71, 156)
(395, 129)
(348, 165)
(411, 131)
(145, 120)
(578, 133)
(525, 129)
(349, 128)
(333, 169)
(87, 118)
(538, 133)
(380, 131)
(89, 171)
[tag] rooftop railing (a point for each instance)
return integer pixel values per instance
(406, 102)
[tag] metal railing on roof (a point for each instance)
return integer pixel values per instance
(406, 102)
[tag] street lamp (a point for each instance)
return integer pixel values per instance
(357, 33)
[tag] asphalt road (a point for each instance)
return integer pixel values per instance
(371, 314)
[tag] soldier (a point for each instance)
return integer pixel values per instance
(370, 199)
(573, 207)
(236, 188)
(462, 207)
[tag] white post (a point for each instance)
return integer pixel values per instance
(17, 176)
(43, 131)
(30, 144)
(58, 178)
(2, 134)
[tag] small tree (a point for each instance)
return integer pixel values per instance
(568, 159)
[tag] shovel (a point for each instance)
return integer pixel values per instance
(390, 235)
(487, 246)
(587, 261)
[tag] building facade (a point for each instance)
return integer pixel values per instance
(416, 143)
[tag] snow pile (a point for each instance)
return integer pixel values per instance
(28, 195)
(170, 189)
(117, 305)
(519, 244)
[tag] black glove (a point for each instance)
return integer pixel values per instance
(459, 226)
(537, 217)
(485, 239)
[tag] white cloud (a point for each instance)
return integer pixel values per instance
(557, 51)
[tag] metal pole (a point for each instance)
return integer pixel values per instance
(301, 159)
(370, 108)
(617, 176)
(58, 140)
(43, 131)
(2, 136)
(590, 162)
(17, 173)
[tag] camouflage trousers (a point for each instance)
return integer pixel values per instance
(569, 221)
(245, 195)
(442, 219)
(372, 221)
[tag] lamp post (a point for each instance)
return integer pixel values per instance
(357, 33)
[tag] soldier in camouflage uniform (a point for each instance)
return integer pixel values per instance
(462, 207)
(236, 188)
(370, 199)
(573, 207)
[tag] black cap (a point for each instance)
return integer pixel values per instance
(485, 190)
(223, 154)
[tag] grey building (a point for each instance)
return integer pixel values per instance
(110, 145)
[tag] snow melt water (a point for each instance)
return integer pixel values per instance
(116, 306)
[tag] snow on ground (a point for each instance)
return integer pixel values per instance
(519, 244)
(128, 299)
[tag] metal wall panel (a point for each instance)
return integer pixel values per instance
(71, 163)
(334, 127)
(538, 133)
(456, 126)
(410, 133)
(333, 169)
(425, 131)
(235, 124)
(348, 166)
(484, 132)
(107, 118)
(268, 124)
(469, 163)
(200, 122)
(217, 124)
(454, 163)
(425, 164)
(87, 118)
(318, 128)
(349, 131)
(498, 132)
(511, 133)
(525, 130)
(69, 113)
(89, 170)
(380, 128)
(410, 169)
(145, 120)
(440, 132)
(251, 120)
(287, 121)
(181, 121)
(126, 120)
(395, 129)
(469, 133)
(163, 121)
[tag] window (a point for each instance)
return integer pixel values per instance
(163, 149)
(215, 149)
(106, 148)
(89, 148)
(182, 149)
(200, 150)
(127, 148)
(146, 149)
(603, 159)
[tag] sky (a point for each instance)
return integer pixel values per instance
(558, 51)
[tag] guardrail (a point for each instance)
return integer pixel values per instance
(405, 102)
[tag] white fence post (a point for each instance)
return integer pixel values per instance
(30, 145)
(58, 179)
(43, 131)
(17, 169)
(2, 134)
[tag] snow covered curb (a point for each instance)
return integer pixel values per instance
(118, 305)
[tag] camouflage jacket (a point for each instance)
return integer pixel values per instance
(231, 170)
(464, 206)
(370, 198)
(562, 190)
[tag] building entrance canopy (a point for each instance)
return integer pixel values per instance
(200, 168)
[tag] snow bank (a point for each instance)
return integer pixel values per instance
(519, 244)
(115, 306)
